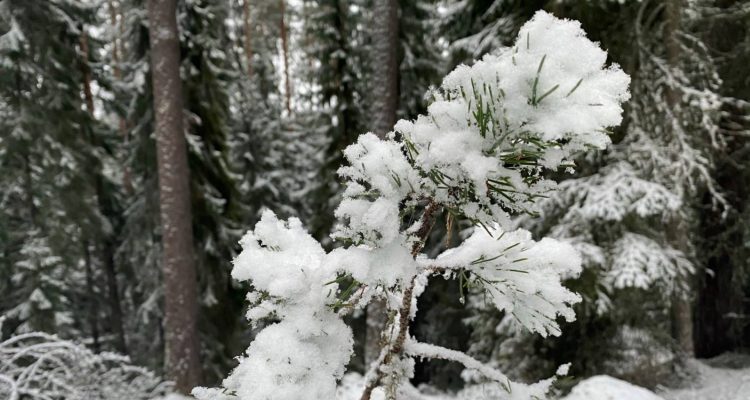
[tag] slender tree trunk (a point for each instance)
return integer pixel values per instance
(107, 247)
(180, 286)
(248, 42)
(113, 296)
(681, 307)
(285, 50)
(122, 125)
(116, 71)
(86, 71)
(91, 298)
(385, 94)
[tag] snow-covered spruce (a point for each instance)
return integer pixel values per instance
(480, 153)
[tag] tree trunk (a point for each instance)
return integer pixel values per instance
(86, 71)
(116, 71)
(113, 296)
(182, 351)
(384, 103)
(107, 248)
(285, 50)
(122, 125)
(682, 323)
(91, 298)
(681, 305)
(385, 63)
(248, 43)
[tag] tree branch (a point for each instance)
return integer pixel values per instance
(398, 346)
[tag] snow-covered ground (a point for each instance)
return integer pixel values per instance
(712, 381)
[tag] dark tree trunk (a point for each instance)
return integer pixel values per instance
(182, 350)
(107, 247)
(285, 51)
(113, 296)
(91, 298)
(681, 307)
(86, 71)
(385, 63)
(385, 81)
(247, 36)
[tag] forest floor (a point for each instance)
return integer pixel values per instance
(723, 378)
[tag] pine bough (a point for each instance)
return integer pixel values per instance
(481, 153)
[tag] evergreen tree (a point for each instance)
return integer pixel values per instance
(335, 44)
(51, 219)
(634, 272)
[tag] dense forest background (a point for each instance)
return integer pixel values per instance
(272, 91)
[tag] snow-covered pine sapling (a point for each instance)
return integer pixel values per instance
(481, 153)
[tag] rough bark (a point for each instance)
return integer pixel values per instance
(247, 36)
(385, 61)
(384, 105)
(182, 351)
(285, 51)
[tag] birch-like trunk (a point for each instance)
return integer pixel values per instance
(182, 350)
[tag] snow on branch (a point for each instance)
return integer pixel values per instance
(508, 389)
(41, 366)
(481, 153)
(520, 276)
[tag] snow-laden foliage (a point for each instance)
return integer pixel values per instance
(512, 114)
(301, 356)
(41, 366)
(521, 276)
(481, 153)
(652, 175)
(633, 212)
(639, 261)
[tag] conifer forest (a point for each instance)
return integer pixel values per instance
(374, 199)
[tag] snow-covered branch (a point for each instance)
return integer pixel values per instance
(41, 366)
(482, 153)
